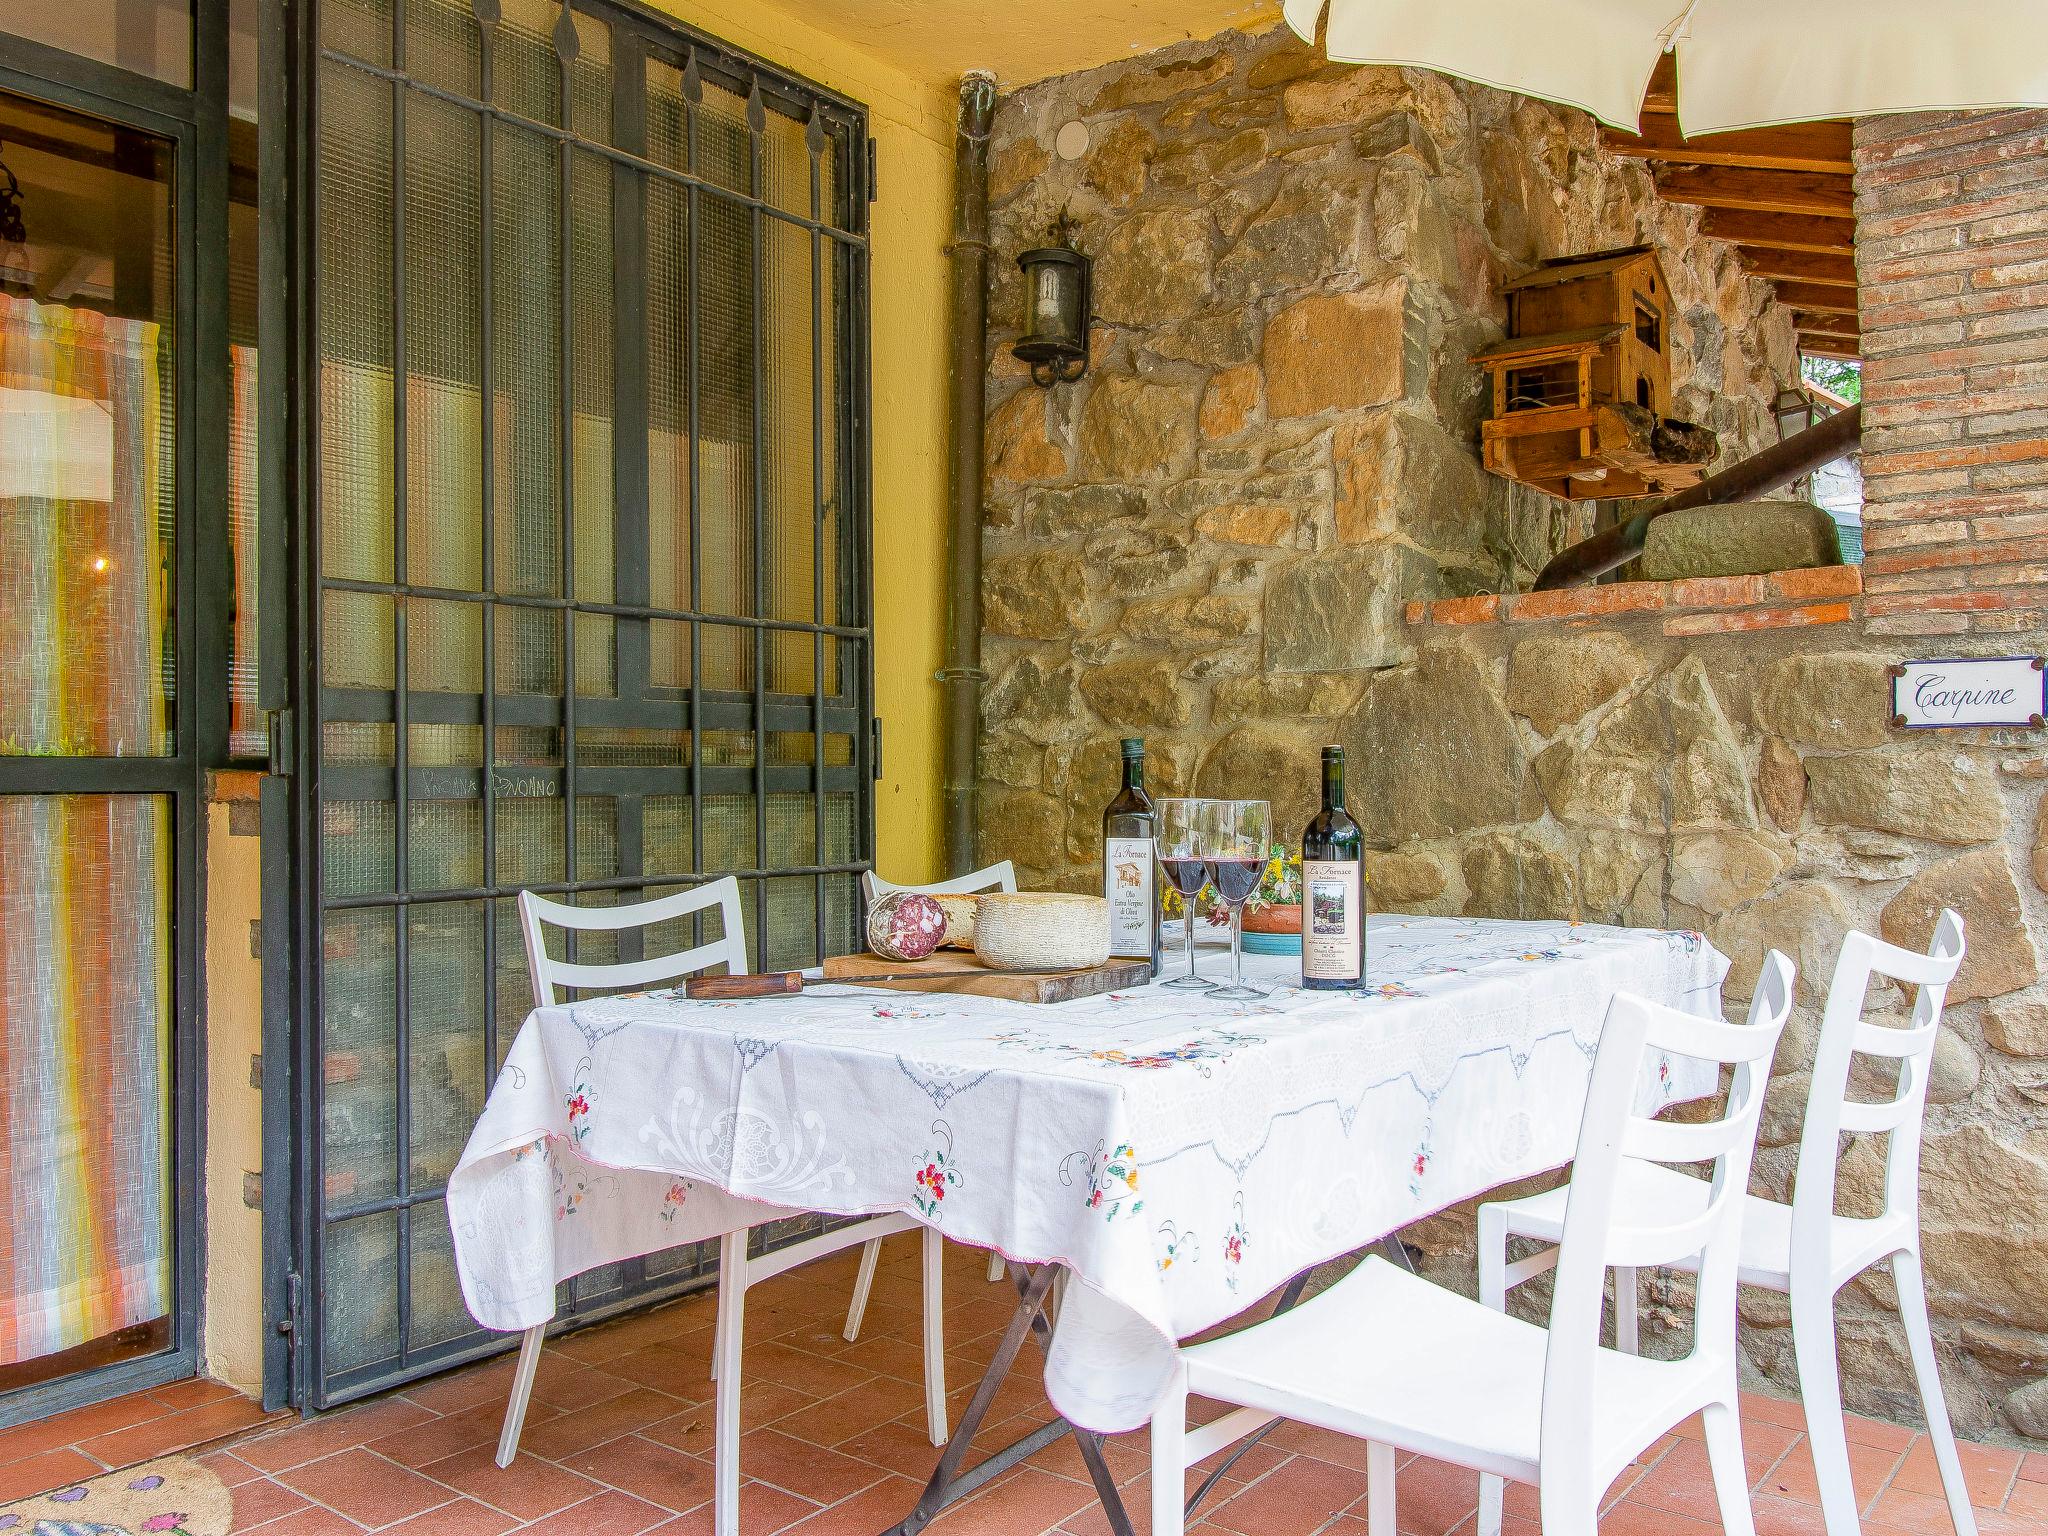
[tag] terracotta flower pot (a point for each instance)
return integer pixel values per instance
(1273, 920)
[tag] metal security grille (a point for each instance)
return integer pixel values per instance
(587, 307)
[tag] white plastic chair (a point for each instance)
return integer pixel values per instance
(996, 877)
(736, 1271)
(1805, 1250)
(1406, 1365)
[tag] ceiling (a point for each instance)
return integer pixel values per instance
(1783, 197)
(1026, 41)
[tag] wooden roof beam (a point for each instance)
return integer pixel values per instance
(1781, 231)
(1722, 186)
(1829, 346)
(1818, 298)
(1825, 325)
(1799, 266)
(1662, 96)
(1822, 147)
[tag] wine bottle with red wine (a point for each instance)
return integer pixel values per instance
(1127, 828)
(1332, 889)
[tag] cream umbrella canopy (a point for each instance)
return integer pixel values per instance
(1741, 63)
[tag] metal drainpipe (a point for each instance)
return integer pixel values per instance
(962, 675)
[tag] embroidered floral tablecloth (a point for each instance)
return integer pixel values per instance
(1182, 1156)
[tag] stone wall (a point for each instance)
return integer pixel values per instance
(1208, 540)
(1718, 756)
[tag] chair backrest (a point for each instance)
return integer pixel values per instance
(1614, 1131)
(1846, 1034)
(997, 877)
(537, 914)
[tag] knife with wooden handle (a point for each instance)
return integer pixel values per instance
(719, 988)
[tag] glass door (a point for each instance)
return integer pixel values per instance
(586, 600)
(98, 748)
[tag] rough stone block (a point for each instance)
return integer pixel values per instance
(2018, 1027)
(1037, 596)
(1334, 612)
(1913, 790)
(1837, 700)
(1555, 680)
(1743, 538)
(1980, 886)
(1138, 694)
(1336, 351)
(1135, 430)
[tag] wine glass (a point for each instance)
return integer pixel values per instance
(1177, 839)
(1235, 841)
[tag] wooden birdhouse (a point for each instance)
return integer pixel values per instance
(1582, 385)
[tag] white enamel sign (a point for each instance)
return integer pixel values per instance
(1996, 690)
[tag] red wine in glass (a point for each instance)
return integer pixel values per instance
(1236, 879)
(1188, 876)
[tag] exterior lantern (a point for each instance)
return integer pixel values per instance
(1794, 412)
(1056, 310)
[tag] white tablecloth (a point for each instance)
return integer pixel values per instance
(1182, 1156)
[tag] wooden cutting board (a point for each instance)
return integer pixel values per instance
(953, 970)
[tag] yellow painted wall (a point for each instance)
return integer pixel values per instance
(231, 1339)
(912, 121)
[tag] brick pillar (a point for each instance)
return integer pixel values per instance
(1952, 257)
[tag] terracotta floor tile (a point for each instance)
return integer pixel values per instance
(466, 1388)
(418, 1444)
(1870, 1469)
(366, 1488)
(872, 1509)
(1026, 1500)
(901, 1446)
(763, 1507)
(529, 1488)
(463, 1517)
(562, 1383)
(44, 1471)
(1988, 1471)
(1431, 1497)
(2029, 1500)
(310, 1521)
(69, 1428)
(1299, 1497)
(228, 1467)
(680, 1373)
(1786, 1517)
(761, 1403)
(191, 1393)
(817, 1375)
(176, 1431)
(2034, 1469)
(625, 1414)
(835, 1419)
(310, 1439)
(260, 1499)
(1773, 1410)
(611, 1513)
(1862, 1431)
(811, 1471)
(1627, 1519)
(657, 1474)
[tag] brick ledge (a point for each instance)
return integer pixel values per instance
(1699, 606)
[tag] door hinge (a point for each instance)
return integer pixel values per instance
(283, 748)
(294, 1296)
(874, 183)
(875, 746)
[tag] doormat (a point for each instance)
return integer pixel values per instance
(175, 1496)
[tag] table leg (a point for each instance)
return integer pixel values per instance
(952, 1480)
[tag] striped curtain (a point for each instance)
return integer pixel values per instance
(85, 879)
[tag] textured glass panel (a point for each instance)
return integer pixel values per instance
(361, 1292)
(726, 376)
(529, 643)
(841, 830)
(443, 45)
(85, 1065)
(609, 747)
(438, 1313)
(446, 851)
(357, 639)
(668, 397)
(590, 293)
(530, 746)
(792, 937)
(358, 27)
(668, 653)
(682, 1263)
(445, 1062)
(728, 662)
(786, 165)
(666, 838)
(512, 992)
(842, 916)
(529, 844)
(668, 134)
(444, 746)
(679, 934)
(728, 749)
(359, 1053)
(728, 833)
(597, 837)
(590, 80)
(792, 831)
(529, 71)
(526, 411)
(788, 491)
(356, 742)
(443, 346)
(597, 669)
(355, 325)
(358, 847)
(724, 146)
(444, 646)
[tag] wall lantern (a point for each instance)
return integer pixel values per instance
(1793, 409)
(1056, 310)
